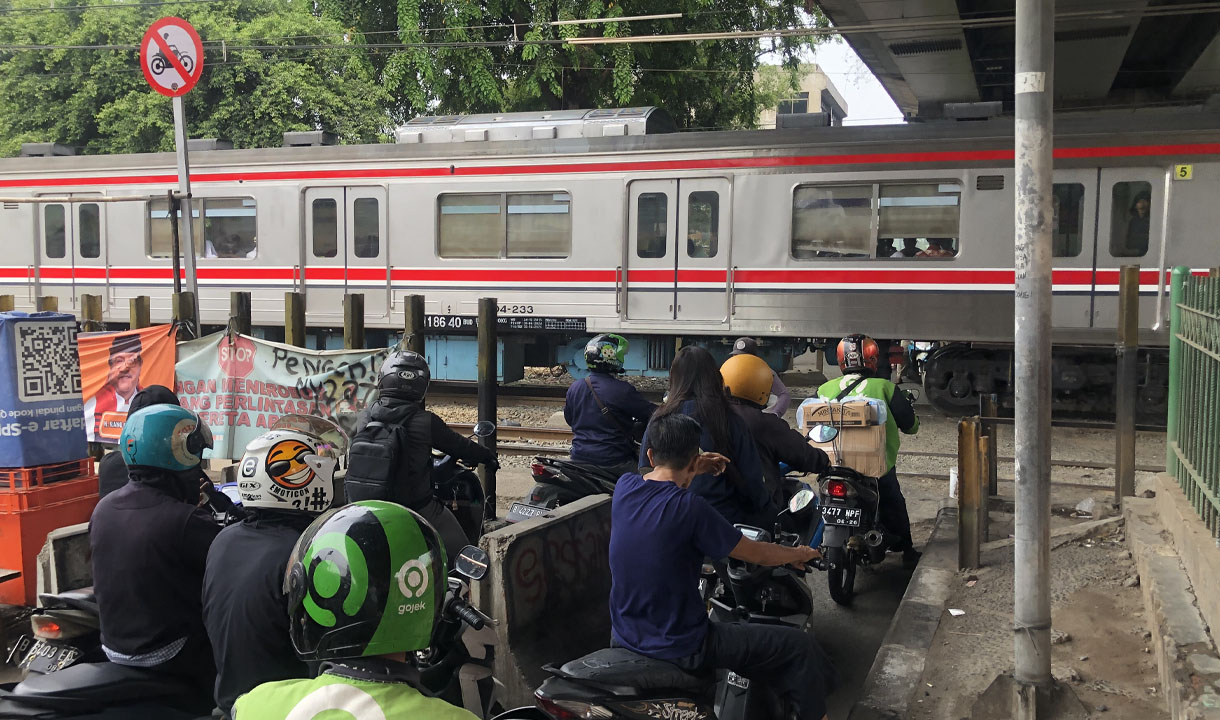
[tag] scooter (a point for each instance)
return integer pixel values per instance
(853, 534)
(457, 487)
(617, 683)
(559, 481)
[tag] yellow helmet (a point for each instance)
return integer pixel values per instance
(747, 377)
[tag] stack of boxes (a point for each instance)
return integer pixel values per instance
(47, 480)
(860, 443)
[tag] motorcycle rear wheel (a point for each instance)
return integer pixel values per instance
(842, 576)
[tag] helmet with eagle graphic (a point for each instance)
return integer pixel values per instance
(288, 470)
(363, 580)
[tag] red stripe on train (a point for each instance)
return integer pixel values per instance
(943, 156)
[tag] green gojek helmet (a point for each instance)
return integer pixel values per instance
(606, 353)
(363, 580)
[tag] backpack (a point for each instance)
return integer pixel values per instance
(373, 462)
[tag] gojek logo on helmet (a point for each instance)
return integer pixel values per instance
(412, 583)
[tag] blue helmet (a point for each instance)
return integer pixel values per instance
(164, 436)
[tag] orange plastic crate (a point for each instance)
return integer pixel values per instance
(27, 478)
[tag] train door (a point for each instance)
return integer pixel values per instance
(72, 249)
(1129, 233)
(1073, 236)
(345, 249)
(677, 250)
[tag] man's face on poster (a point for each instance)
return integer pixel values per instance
(125, 373)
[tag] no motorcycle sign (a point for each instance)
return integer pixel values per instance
(171, 55)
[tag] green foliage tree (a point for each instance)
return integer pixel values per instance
(281, 68)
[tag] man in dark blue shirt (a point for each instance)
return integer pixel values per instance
(660, 534)
(603, 410)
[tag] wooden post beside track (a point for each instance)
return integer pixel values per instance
(986, 451)
(1127, 382)
(140, 309)
(970, 501)
(353, 321)
(6, 303)
(413, 327)
(182, 308)
(47, 303)
(488, 364)
(989, 409)
(91, 313)
(239, 312)
(294, 318)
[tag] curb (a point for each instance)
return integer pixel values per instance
(899, 664)
(1188, 662)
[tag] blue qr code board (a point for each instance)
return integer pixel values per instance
(48, 367)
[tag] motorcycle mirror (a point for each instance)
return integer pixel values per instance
(800, 501)
(823, 433)
(484, 428)
(472, 562)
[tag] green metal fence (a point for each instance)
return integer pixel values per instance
(1193, 428)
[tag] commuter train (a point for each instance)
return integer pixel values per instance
(580, 222)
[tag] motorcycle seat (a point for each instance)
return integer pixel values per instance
(91, 685)
(626, 674)
(81, 599)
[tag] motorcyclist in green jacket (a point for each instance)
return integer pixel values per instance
(365, 585)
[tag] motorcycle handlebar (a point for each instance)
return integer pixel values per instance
(470, 616)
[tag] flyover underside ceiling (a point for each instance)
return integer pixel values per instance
(1124, 53)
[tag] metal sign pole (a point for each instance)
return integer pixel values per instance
(184, 185)
(1035, 60)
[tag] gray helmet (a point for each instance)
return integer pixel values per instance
(405, 374)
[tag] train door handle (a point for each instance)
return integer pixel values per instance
(671, 308)
(618, 289)
(679, 308)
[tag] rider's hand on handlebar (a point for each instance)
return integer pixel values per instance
(710, 463)
(805, 556)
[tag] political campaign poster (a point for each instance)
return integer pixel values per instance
(241, 385)
(40, 390)
(115, 366)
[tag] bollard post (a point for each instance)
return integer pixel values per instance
(6, 303)
(91, 313)
(989, 407)
(294, 319)
(985, 452)
(1126, 382)
(182, 308)
(413, 327)
(487, 394)
(353, 321)
(969, 495)
(239, 313)
(47, 303)
(140, 310)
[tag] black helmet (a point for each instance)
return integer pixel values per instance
(405, 374)
(606, 353)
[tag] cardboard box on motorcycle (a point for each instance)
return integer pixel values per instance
(851, 413)
(861, 448)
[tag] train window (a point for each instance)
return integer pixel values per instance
(54, 230)
(90, 226)
(539, 225)
(325, 228)
(702, 224)
(1067, 226)
(471, 225)
(230, 227)
(159, 235)
(1130, 213)
(367, 224)
(652, 211)
(832, 221)
(918, 219)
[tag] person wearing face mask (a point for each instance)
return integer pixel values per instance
(149, 543)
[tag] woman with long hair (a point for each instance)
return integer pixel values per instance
(697, 389)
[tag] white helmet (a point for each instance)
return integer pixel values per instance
(288, 470)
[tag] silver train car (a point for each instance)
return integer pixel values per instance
(584, 222)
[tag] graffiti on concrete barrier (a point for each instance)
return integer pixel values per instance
(563, 563)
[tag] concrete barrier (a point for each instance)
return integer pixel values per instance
(548, 590)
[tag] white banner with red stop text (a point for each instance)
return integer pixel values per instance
(240, 386)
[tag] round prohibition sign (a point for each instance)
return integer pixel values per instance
(171, 56)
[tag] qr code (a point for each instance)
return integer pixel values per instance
(48, 367)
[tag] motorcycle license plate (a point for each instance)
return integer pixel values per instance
(46, 657)
(529, 511)
(835, 515)
(738, 681)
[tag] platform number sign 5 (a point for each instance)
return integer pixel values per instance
(1183, 172)
(171, 56)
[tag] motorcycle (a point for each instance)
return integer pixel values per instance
(456, 668)
(618, 683)
(853, 533)
(559, 481)
(457, 487)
